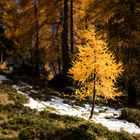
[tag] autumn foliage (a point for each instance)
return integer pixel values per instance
(94, 59)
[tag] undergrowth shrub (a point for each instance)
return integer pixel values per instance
(79, 131)
(131, 115)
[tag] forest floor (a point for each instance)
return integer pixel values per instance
(29, 111)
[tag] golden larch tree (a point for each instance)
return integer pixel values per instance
(95, 68)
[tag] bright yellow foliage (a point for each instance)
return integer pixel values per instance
(94, 56)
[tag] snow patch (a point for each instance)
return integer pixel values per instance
(3, 78)
(33, 104)
(105, 115)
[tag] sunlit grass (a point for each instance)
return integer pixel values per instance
(20, 122)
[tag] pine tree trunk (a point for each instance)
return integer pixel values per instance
(2, 56)
(37, 43)
(131, 81)
(93, 97)
(65, 50)
(71, 26)
(131, 93)
(59, 65)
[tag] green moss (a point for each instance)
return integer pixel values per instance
(131, 115)
(28, 124)
(83, 131)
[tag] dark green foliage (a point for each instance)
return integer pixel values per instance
(138, 105)
(131, 115)
(18, 122)
(83, 131)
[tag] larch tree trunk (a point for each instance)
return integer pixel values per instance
(94, 88)
(93, 96)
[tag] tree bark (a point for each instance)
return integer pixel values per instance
(93, 96)
(131, 81)
(37, 43)
(71, 26)
(65, 50)
(131, 93)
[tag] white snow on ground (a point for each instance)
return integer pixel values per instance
(84, 112)
(108, 117)
(2, 78)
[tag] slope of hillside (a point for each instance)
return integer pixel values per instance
(19, 121)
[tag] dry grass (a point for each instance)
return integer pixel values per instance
(8, 135)
(4, 98)
(101, 138)
(3, 117)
